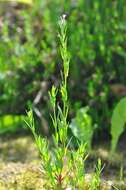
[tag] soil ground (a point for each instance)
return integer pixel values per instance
(20, 164)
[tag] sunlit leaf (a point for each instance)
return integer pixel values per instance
(117, 122)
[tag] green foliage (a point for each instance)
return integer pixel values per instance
(59, 166)
(118, 122)
(78, 166)
(10, 123)
(81, 126)
(97, 45)
(42, 145)
(60, 120)
(62, 168)
(95, 182)
(28, 55)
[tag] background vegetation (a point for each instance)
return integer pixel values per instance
(30, 63)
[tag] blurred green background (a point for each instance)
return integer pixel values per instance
(30, 61)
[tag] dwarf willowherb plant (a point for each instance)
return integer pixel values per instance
(62, 168)
(60, 120)
(96, 178)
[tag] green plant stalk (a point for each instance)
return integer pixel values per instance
(53, 168)
(96, 181)
(59, 120)
(60, 165)
(66, 60)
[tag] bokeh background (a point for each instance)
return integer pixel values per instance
(30, 61)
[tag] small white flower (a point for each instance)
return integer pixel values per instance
(63, 19)
(64, 16)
